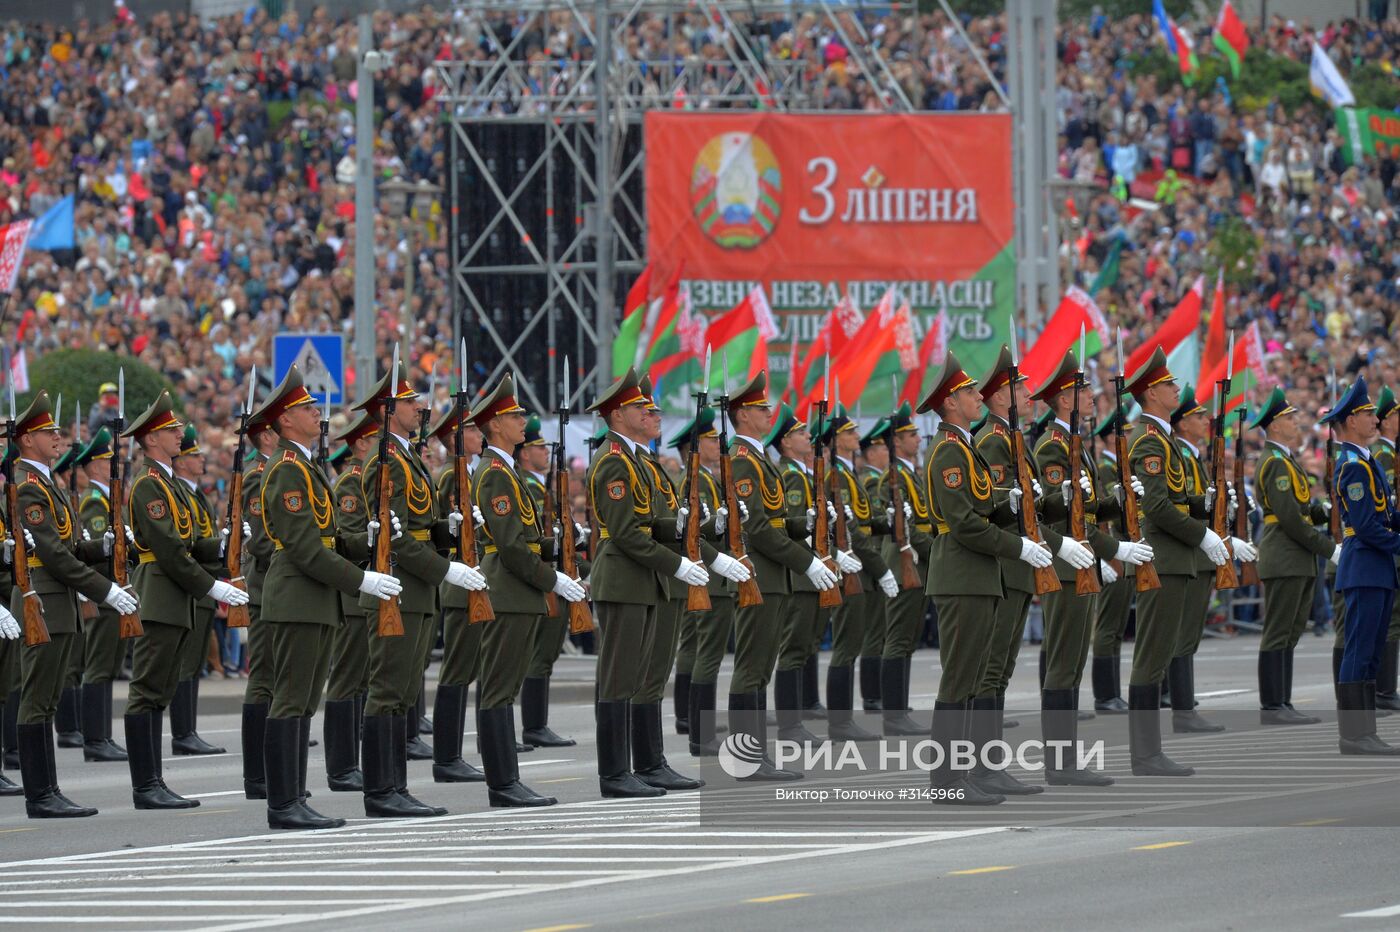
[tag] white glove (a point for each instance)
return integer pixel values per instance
(1086, 485)
(1075, 554)
(1136, 486)
(380, 585)
(1327, 508)
(9, 551)
(1210, 497)
(9, 628)
(454, 522)
(850, 515)
(1036, 490)
(1214, 548)
(121, 601)
(87, 537)
(1245, 552)
(29, 544)
(477, 515)
(811, 519)
(108, 540)
(1107, 572)
(682, 517)
(1066, 492)
(831, 511)
(887, 584)
(820, 576)
(570, 590)
(465, 577)
(913, 554)
(219, 592)
(581, 535)
(130, 536)
(223, 540)
(1037, 555)
(373, 529)
(1234, 503)
(730, 568)
(692, 574)
(743, 511)
(1336, 556)
(1013, 499)
(848, 562)
(908, 514)
(1134, 552)
(722, 519)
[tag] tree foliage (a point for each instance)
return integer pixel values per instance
(78, 373)
(1232, 246)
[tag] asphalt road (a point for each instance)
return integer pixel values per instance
(1275, 831)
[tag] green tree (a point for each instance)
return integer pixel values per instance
(1232, 246)
(77, 374)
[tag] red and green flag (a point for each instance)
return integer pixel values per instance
(629, 332)
(1077, 313)
(1230, 37)
(1245, 366)
(1180, 325)
(1215, 331)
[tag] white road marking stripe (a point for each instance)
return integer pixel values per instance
(1385, 912)
(320, 888)
(202, 903)
(212, 795)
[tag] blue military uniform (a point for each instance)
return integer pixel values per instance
(1366, 578)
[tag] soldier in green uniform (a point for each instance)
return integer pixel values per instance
(461, 656)
(964, 571)
(169, 577)
(1388, 410)
(1116, 599)
(58, 573)
(1069, 616)
(803, 617)
(257, 556)
(548, 638)
(10, 645)
(299, 597)
(396, 663)
(874, 460)
(184, 708)
(775, 547)
(704, 634)
(628, 578)
(516, 565)
(102, 644)
(1288, 551)
(905, 612)
(348, 681)
(68, 724)
(1175, 525)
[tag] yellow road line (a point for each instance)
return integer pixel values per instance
(195, 812)
(983, 870)
(7, 831)
(565, 928)
(1160, 845)
(558, 780)
(778, 898)
(1318, 822)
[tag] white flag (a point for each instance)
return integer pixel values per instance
(1327, 81)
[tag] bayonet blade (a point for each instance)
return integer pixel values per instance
(12, 401)
(568, 399)
(1082, 347)
(1230, 358)
(121, 393)
(1122, 363)
(394, 372)
(1011, 336)
(462, 366)
(826, 379)
(724, 365)
(58, 410)
(705, 385)
(252, 389)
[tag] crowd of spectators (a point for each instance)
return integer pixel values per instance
(213, 162)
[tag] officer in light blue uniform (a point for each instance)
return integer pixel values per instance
(1366, 574)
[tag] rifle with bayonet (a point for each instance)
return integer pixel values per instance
(1249, 573)
(899, 528)
(749, 593)
(698, 597)
(233, 516)
(1046, 579)
(1225, 577)
(1144, 574)
(850, 582)
(322, 449)
(566, 554)
(426, 414)
(551, 601)
(130, 625)
(478, 601)
(1086, 581)
(35, 631)
(821, 520)
(390, 619)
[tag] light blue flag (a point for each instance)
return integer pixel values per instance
(54, 230)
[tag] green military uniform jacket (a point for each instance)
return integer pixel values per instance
(1196, 486)
(418, 564)
(799, 492)
(1291, 542)
(994, 443)
(511, 538)
(870, 522)
(1052, 455)
(1171, 518)
(1108, 479)
(666, 506)
(351, 523)
(306, 571)
(630, 564)
(712, 499)
(451, 596)
(258, 555)
(95, 515)
(920, 531)
(971, 545)
(204, 531)
(773, 543)
(59, 564)
(170, 576)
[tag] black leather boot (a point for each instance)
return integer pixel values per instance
(1060, 723)
(534, 715)
(1185, 718)
(840, 700)
(415, 747)
(67, 722)
(787, 697)
(281, 764)
(951, 784)
(253, 740)
(338, 729)
(746, 717)
(184, 720)
(1104, 674)
(615, 777)
(425, 724)
(648, 751)
(1041, 682)
(811, 691)
(503, 786)
(984, 727)
(1356, 724)
(1145, 735)
(97, 744)
(1273, 709)
(680, 699)
(1386, 697)
(703, 742)
(449, 719)
(894, 692)
(870, 684)
(42, 799)
(108, 719)
(377, 754)
(400, 725)
(7, 786)
(148, 791)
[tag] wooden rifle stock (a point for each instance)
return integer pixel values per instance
(233, 548)
(551, 601)
(478, 602)
(390, 623)
(698, 598)
(850, 582)
(749, 593)
(130, 625)
(1046, 579)
(35, 631)
(1144, 574)
(1225, 577)
(821, 531)
(1249, 573)
(580, 618)
(908, 576)
(1086, 581)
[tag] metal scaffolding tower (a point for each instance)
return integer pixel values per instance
(546, 158)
